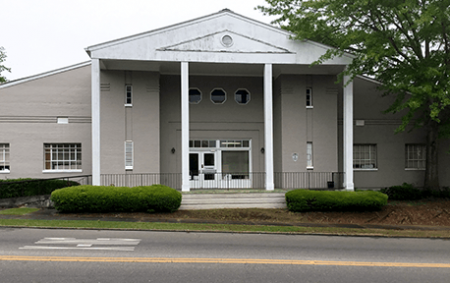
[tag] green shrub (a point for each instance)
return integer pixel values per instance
(444, 192)
(89, 198)
(306, 200)
(17, 188)
(403, 192)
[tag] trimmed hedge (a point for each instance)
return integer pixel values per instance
(409, 192)
(306, 200)
(12, 188)
(88, 198)
(403, 192)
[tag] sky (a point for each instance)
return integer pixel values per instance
(43, 35)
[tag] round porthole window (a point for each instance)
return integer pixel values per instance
(227, 40)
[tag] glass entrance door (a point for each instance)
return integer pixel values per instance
(202, 169)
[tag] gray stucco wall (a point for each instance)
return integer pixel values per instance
(300, 124)
(211, 121)
(138, 123)
(379, 129)
(28, 119)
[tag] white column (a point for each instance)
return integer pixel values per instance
(268, 126)
(185, 126)
(95, 101)
(348, 134)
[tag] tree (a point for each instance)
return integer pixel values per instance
(404, 44)
(2, 67)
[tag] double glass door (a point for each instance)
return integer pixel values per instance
(202, 169)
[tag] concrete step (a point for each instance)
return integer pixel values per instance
(217, 201)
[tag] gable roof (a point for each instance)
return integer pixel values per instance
(249, 41)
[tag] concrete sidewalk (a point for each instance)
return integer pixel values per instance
(52, 214)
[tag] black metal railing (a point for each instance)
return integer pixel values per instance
(172, 180)
(309, 180)
(31, 187)
(226, 181)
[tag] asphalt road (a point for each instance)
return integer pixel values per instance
(50, 255)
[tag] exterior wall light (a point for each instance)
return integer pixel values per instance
(262, 150)
(172, 150)
(295, 157)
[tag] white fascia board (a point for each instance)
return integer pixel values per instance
(222, 13)
(46, 74)
(183, 24)
(369, 79)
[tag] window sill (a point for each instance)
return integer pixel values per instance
(309, 107)
(128, 168)
(363, 170)
(5, 171)
(310, 168)
(414, 169)
(128, 105)
(62, 171)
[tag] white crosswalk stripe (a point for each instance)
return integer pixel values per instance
(115, 244)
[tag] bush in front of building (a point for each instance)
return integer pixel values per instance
(88, 198)
(306, 200)
(12, 188)
(409, 192)
(404, 192)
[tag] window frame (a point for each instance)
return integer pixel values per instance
(5, 158)
(56, 146)
(189, 95)
(310, 99)
(218, 88)
(421, 160)
(310, 155)
(372, 149)
(128, 93)
(249, 96)
(129, 155)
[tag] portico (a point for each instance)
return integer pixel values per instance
(215, 52)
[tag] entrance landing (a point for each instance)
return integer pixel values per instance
(235, 200)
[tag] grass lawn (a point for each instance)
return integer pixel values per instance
(185, 227)
(18, 211)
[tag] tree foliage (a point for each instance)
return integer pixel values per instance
(404, 44)
(2, 67)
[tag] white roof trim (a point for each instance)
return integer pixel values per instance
(369, 79)
(181, 24)
(43, 75)
(185, 23)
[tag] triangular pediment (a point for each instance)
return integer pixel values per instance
(225, 41)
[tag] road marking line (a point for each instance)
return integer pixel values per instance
(125, 249)
(221, 260)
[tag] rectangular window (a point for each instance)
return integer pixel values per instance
(415, 156)
(309, 155)
(62, 157)
(365, 156)
(128, 95)
(236, 164)
(4, 158)
(128, 155)
(309, 101)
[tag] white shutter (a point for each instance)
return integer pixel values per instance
(128, 155)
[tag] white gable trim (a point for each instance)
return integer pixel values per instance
(46, 74)
(183, 24)
(278, 49)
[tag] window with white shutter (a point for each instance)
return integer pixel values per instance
(128, 155)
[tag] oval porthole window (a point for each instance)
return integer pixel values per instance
(227, 40)
(242, 96)
(195, 96)
(218, 96)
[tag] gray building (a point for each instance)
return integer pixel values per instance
(221, 101)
